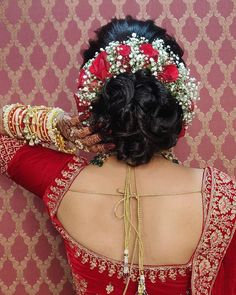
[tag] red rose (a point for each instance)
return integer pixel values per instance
(182, 132)
(124, 50)
(81, 79)
(149, 50)
(192, 106)
(169, 74)
(93, 84)
(80, 107)
(100, 66)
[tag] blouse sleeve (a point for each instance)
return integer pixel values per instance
(32, 167)
(8, 148)
(226, 222)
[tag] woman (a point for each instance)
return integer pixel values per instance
(141, 224)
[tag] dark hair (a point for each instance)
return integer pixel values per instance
(136, 111)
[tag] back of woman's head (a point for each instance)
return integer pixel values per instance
(135, 110)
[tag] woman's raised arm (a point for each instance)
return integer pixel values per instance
(24, 130)
(45, 125)
(33, 167)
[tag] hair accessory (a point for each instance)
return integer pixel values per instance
(169, 156)
(131, 55)
(99, 159)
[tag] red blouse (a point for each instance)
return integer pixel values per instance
(211, 269)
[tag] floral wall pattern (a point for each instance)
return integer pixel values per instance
(40, 44)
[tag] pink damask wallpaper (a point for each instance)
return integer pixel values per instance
(40, 43)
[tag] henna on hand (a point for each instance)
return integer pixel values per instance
(102, 148)
(71, 128)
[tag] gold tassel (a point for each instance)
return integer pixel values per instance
(126, 262)
(141, 285)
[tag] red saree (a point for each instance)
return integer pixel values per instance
(212, 268)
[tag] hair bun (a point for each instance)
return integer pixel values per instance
(143, 116)
(120, 87)
(119, 92)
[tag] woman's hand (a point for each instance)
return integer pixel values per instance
(72, 129)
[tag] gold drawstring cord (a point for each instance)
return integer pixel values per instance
(131, 265)
(128, 226)
(127, 221)
(141, 284)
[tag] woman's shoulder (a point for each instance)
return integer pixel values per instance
(208, 176)
(188, 171)
(187, 178)
(216, 175)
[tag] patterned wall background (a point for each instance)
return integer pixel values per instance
(40, 43)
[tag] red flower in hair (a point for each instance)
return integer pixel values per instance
(80, 107)
(169, 74)
(81, 79)
(93, 85)
(149, 50)
(182, 132)
(124, 49)
(100, 66)
(192, 106)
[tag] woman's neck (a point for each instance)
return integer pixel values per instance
(157, 160)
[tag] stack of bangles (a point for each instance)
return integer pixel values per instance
(34, 125)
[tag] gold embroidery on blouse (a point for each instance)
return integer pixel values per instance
(53, 198)
(8, 147)
(217, 234)
(56, 192)
(218, 231)
(109, 288)
(80, 284)
(114, 267)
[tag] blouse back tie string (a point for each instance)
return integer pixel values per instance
(128, 226)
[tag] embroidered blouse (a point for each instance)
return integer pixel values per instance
(211, 269)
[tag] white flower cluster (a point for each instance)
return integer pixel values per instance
(184, 88)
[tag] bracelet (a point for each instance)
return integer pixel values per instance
(39, 123)
(54, 134)
(29, 127)
(34, 125)
(7, 110)
(20, 119)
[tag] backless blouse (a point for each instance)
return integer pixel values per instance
(211, 269)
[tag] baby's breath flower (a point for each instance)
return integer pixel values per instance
(184, 88)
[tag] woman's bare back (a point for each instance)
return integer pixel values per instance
(172, 220)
